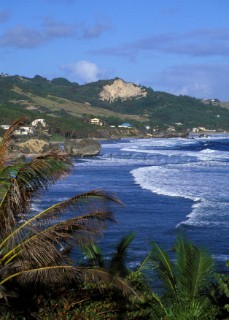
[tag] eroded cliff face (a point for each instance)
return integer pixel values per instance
(33, 146)
(120, 89)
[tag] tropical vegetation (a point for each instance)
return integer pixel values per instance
(33, 247)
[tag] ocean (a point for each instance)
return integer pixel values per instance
(168, 186)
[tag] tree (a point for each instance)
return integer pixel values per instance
(185, 282)
(145, 304)
(33, 248)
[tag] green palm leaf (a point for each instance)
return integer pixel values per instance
(118, 260)
(164, 267)
(185, 281)
(194, 267)
(93, 253)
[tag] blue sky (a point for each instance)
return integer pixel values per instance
(176, 46)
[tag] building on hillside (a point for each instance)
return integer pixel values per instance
(37, 122)
(5, 126)
(96, 122)
(125, 125)
(24, 131)
(20, 131)
(202, 129)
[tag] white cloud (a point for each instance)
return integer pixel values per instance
(83, 70)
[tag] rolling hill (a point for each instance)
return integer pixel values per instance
(68, 106)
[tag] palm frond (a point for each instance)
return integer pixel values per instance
(40, 244)
(85, 202)
(165, 269)
(7, 142)
(94, 204)
(200, 269)
(63, 274)
(194, 310)
(93, 253)
(103, 278)
(47, 275)
(81, 230)
(195, 268)
(117, 263)
(22, 180)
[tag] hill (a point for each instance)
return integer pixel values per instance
(68, 106)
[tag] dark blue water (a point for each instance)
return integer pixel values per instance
(143, 211)
(167, 185)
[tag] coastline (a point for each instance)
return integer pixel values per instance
(57, 145)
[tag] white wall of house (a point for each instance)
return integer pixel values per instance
(96, 121)
(24, 131)
(37, 122)
(5, 126)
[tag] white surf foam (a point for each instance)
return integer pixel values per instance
(195, 181)
(201, 176)
(221, 257)
(158, 143)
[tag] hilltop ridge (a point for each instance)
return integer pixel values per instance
(70, 106)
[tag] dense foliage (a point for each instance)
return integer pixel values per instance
(33, 246)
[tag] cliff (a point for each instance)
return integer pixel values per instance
(120, 89)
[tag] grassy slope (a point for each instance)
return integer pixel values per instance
(75, 108)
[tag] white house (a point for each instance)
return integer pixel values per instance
(5, 126)
(96, 122)
(37, 122)
(24, 131)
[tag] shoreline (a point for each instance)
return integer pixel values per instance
(191, 135)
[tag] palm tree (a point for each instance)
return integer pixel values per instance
(185, 282)
(33, 248)
(145, 304)
(116, 265)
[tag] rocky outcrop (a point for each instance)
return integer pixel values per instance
(120, 89)
(33, 146)
(82, 148)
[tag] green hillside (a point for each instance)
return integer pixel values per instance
(68, 106)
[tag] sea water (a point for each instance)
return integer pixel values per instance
(168, 186)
